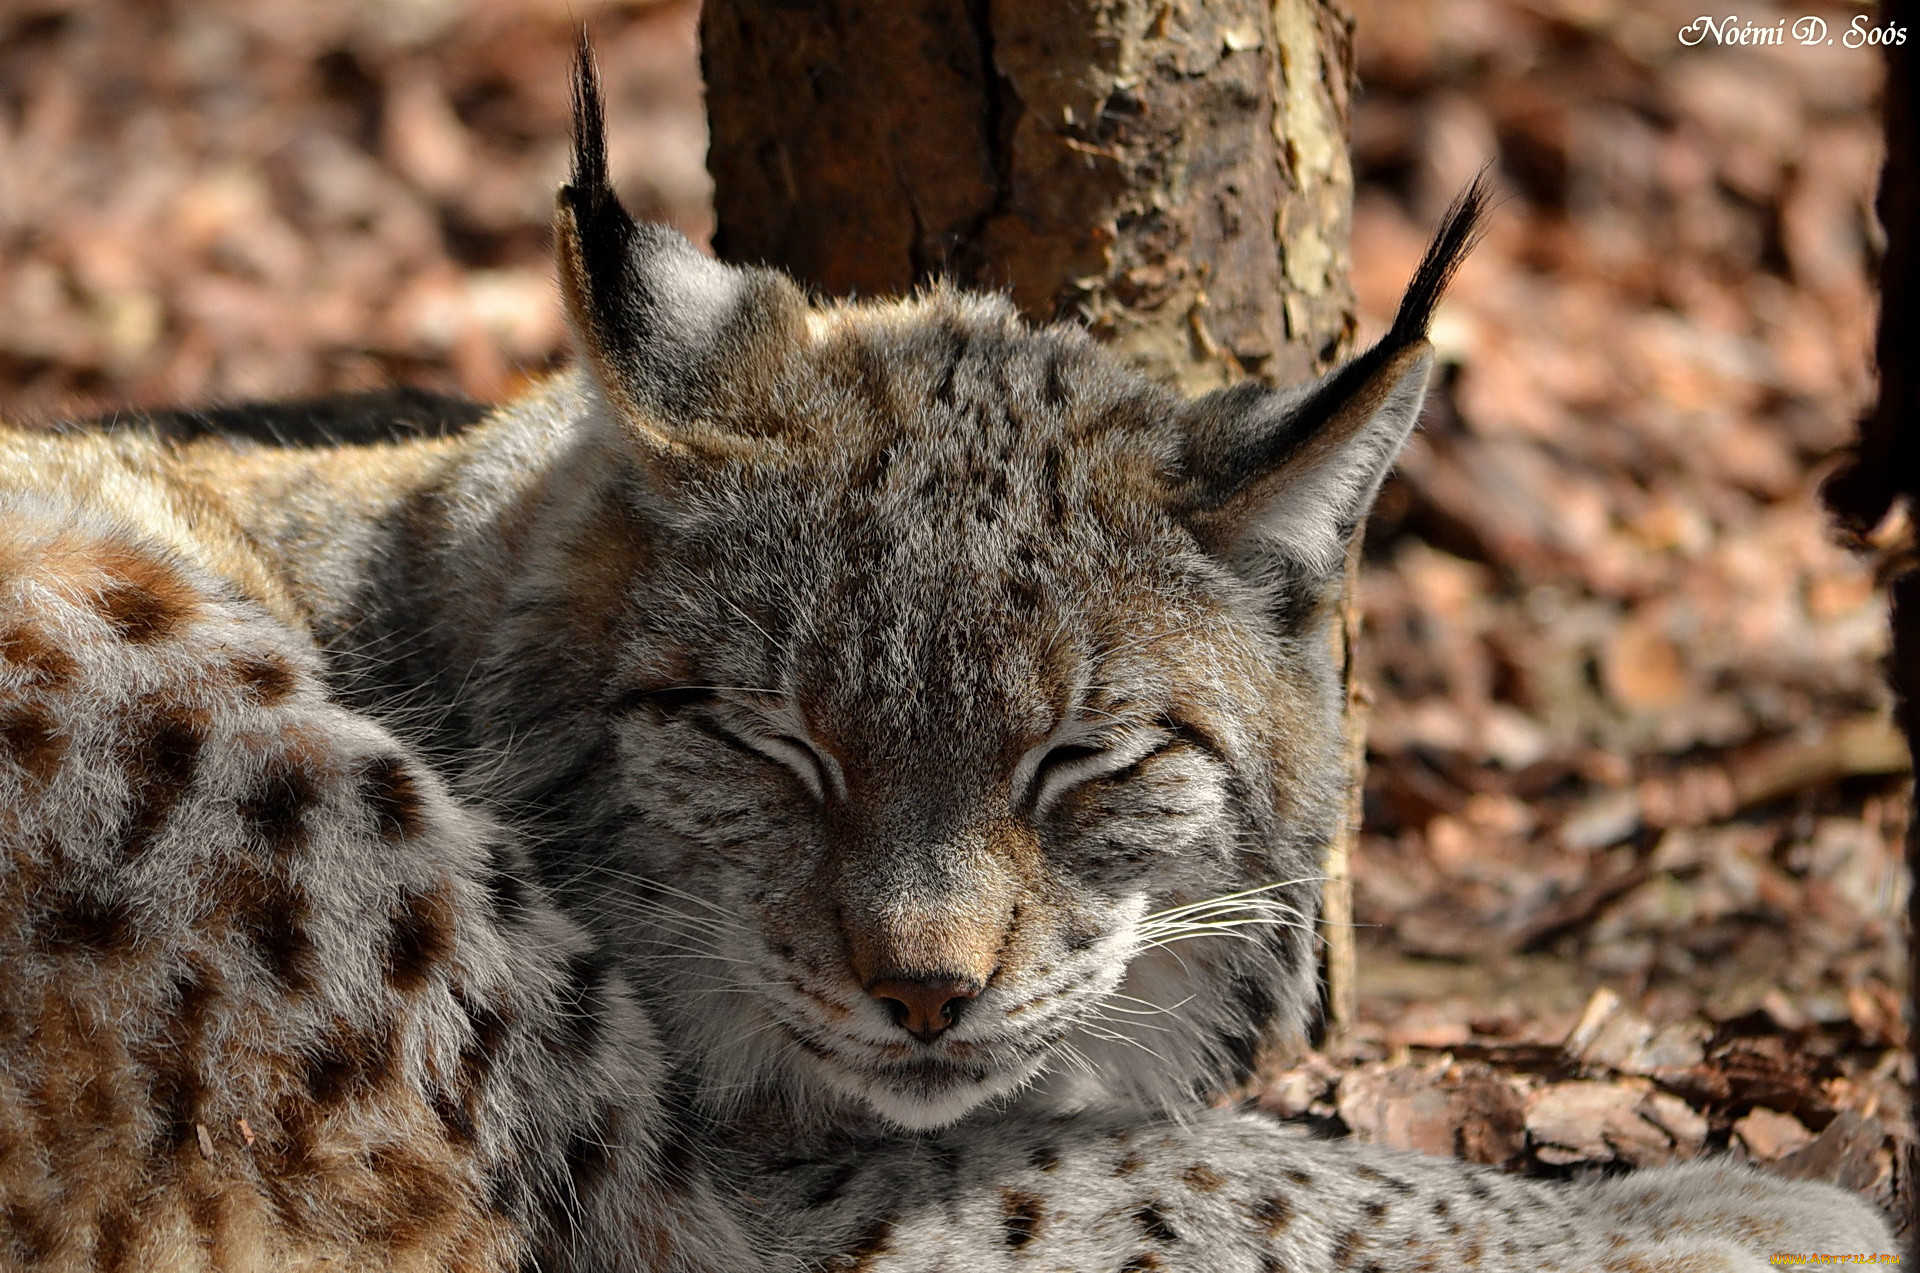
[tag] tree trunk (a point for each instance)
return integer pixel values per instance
(1172, 173)
(1884, 470)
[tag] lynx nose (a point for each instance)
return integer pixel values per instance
(923, 1007)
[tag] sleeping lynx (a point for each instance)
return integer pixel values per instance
(815, 787)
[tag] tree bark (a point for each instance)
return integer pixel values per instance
(1883, 474)
(1172, 173)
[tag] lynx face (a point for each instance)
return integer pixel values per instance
(941, 699)
(975, 719)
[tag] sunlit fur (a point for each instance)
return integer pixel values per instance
(535, 816)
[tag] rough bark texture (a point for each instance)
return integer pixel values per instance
(1336, 900)
(1173, 173)
(1885, 468)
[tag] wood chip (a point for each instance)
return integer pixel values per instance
(1456, 1111)
(1624, 1121)
(1768, 1134)
(1848, 1153)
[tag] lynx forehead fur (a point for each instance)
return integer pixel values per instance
(815, 786)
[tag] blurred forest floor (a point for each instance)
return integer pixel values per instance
(1630, 884)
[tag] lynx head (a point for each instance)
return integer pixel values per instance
(970, 716)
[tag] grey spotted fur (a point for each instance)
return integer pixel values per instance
(613, 756)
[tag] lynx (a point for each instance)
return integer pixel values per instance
(817, 786)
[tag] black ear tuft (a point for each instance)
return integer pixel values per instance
(589, 125)
(605, 231)
(1459, 233)
(671, 333)
(1292, 473)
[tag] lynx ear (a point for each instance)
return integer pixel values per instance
(673, 334)
(1293, 472)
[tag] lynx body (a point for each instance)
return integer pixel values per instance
(814, 786)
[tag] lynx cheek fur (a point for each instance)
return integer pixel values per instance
(814, 787)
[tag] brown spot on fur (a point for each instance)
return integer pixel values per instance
(488, 1036)
(268, 679)
(29, 1232)
(1044, 1158)
(32, 739)
(30, 648)
(873, 467)
(161, 760)
(279, 803)
(1023, 595)
(393, 794)
(274, 917)
(87, 924)
(1273, 1215)
(867, 1250)
(1299, 1177)
(422, 937)
(1202, 1179)
(146, 600)
(1374, 1208)
(1128, 1165)
(1145, 1262)
(136, 614)
(113, 1249)
(503, 1194)
(590, 1154)
(454, 1117)
(350, 1064)
(1154, 1223)
(1023, 1215)
(1346, 1247)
